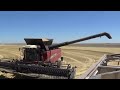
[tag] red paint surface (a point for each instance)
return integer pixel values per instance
(52, 55)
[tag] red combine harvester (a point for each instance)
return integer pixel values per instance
(41, 57)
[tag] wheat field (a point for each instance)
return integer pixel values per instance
(82, 57)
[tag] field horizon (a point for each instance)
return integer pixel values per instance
(78, 44)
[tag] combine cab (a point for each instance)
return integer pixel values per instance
(41, 57)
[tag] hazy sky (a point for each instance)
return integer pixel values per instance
(59, 25)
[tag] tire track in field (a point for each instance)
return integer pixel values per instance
(84, 53)
(74, 59)
(84, 66)
(80, 55)
(90, 60)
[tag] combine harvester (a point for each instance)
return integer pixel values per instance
(42, 59)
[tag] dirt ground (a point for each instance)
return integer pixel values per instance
(82, 57)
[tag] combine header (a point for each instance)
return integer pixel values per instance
(41, 57)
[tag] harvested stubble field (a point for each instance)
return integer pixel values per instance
(80, 56)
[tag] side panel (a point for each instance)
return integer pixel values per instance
(52, 55)
(55, 55)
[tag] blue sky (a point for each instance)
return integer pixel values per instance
(59, 25)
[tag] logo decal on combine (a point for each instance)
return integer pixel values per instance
(53, 56)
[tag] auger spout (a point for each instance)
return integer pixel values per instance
(80, 40)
